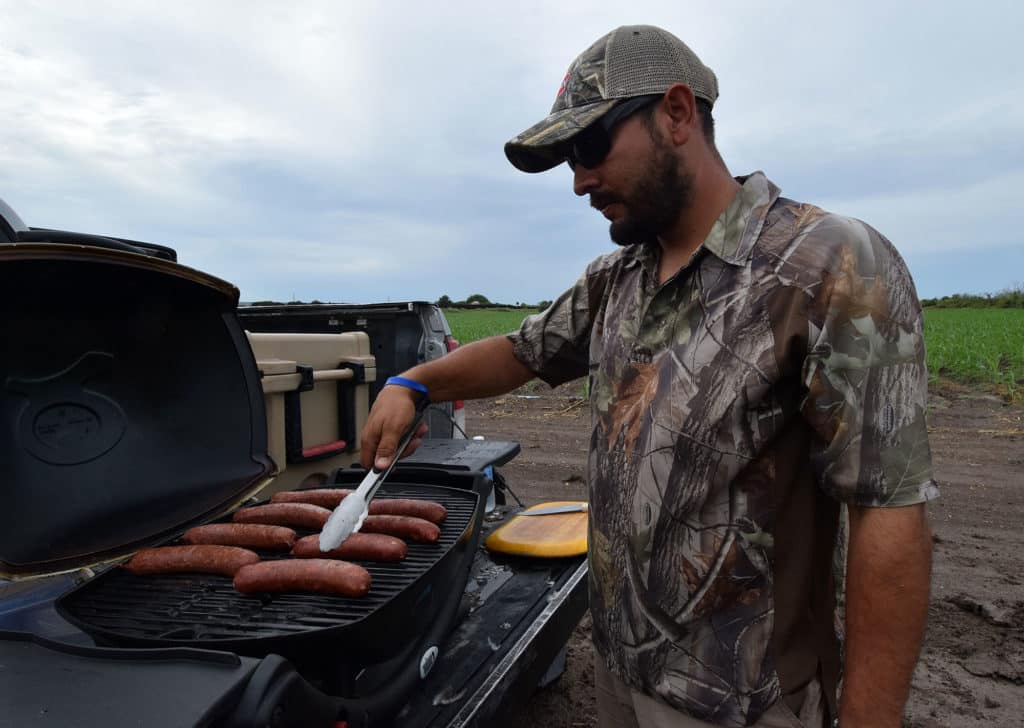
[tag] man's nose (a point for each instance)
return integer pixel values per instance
(584, 180)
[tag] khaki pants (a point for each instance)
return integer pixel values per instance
(619, 706)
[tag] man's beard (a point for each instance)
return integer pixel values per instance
(657, 200)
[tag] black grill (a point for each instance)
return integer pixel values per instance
(198, 610)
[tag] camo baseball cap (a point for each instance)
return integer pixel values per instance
(633, 60)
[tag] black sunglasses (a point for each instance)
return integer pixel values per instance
(590, 147)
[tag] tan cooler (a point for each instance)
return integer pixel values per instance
(316, 392)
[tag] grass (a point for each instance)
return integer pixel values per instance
(980, 347)
(470, 325)
(977, 346)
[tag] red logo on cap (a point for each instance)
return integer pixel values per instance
(561, 89)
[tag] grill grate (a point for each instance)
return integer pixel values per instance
(191, 608)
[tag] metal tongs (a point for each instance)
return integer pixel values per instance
(348, 517)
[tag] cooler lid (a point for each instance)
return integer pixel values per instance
(130, 405)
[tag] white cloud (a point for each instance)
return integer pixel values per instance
(292, 146)
(934, 221)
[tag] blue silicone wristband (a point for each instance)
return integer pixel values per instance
(408, 384)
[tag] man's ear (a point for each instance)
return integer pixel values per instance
(680, 106)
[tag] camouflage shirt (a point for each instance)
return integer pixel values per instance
(779, 373)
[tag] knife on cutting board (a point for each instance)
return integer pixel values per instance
(551, 510)
(348, 517)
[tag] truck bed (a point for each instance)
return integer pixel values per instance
(521, 613)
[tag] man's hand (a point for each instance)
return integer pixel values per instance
(393, 411)
(481, 369)
(888, 574)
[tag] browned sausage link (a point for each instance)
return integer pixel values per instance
(314, 575)
(331, 497)
(300, 515)
(252, 535)
(206, 559)
(414, 529)
(323, 497)
(427, 510)
(357, 547)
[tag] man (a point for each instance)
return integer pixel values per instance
(754, 363)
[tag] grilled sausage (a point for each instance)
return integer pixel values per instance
(326, 576)
(253, 535)
(301, 515)
(414, 529)
(427, 510)
(357, 547)
(331, 497)
(206, 559)
(323, 497)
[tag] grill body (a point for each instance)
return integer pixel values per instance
(199, 610)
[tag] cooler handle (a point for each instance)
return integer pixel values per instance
(347, 375)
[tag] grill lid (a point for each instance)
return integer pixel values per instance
(130, 405)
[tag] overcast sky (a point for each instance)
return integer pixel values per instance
(353, 151)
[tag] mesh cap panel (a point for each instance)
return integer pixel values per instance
(647, 60)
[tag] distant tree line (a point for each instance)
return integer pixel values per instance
(1009, 298)
(476, 300)
(479, 300)
(283, 303)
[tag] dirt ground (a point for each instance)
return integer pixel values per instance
(971, 671)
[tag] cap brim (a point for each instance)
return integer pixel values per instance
(538, 149)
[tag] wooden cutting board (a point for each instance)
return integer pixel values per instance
(551, 536)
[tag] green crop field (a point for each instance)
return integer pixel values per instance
(975, 346)
(981, 346)
(470, 324)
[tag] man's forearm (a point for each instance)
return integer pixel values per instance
(482, 369)
(888, 574)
